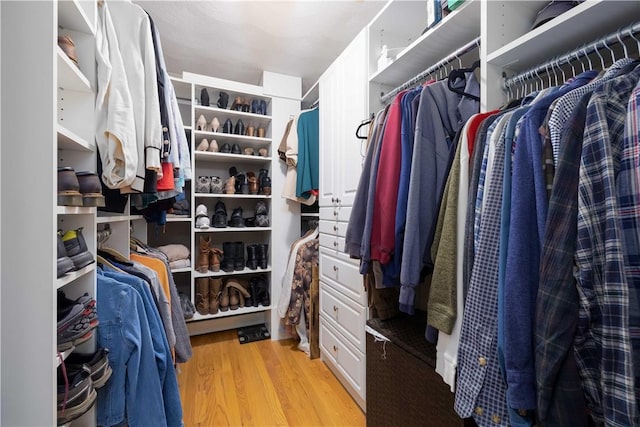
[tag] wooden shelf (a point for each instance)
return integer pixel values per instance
(74, 275)
(242, 310)
(231, 229)
(68, 140)
(221, 273)
(208, 156)
(231, 196)
(69, 75)
(75, 210)
(564, 33)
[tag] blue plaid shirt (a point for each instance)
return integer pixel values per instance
(602, 344)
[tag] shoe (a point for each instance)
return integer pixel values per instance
(237, 294)
(239, 129)
(224, 298)
(228, 248)
(215, 254)
(220, 215)
(263, 107)
(215, 125)
(230, 185)
(255, 105)
(68, 188)
(227, 127)
(73, 327)
(262, 255)
(201, 124)
(77, 249)
(238, 260)
(252, 182)
(215, 288)
(235, 149)
(251, 131)
(202, 217)
(262, 215)
(202, 295)
(68, 47)
(204, 97)
(223, 100)
(88, 302)
(91, 189)
(260, 132)
(203, 184)
(249, 151)
(236, 218)
(75, 393)
(264, 182)
(254, 289)
(203, 255)
(237, 104)
(98, 364)
(252, 257)
(250, 221)
(216, 185)
(213, 147)
(225, 148)
(203, 146)
(65, 264)
(246, 107)
(263, 291)
(241, 184)
(188, 309)
(262, 152)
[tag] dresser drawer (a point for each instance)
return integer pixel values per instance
(333, 228)
(342, 274)
(332, 242)
(336, 213)
(350, 362)
(349, 317)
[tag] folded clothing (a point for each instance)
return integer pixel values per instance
(180, 263)
(181, 207)
(175, 251)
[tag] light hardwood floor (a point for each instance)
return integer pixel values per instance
(263, 383)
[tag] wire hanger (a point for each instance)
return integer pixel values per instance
(461, 73)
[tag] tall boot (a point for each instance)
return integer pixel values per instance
(229, 250)
(202, 295)
(215, 255)
(203, 254)
(252, 257)
(238, 261)
(215, 286)
(237, 294)
(263, 291)
(224, 298)
(262, 255)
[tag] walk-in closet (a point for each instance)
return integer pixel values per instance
(311, 213)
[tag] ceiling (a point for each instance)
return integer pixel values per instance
(237, 40)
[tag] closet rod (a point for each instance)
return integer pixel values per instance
(473, 44)
(583, 51)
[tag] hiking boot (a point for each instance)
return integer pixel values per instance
(90, 188)
(236, 218)
(98, 364)
(220, 215)
(76, 394)
(65, 264)
(77, 249)
(68, 188)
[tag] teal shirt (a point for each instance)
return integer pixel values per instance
(308, 153)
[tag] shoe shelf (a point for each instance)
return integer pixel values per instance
(75, 210)
(208, 156)
(74, 275)
(188, 127)
(232, 196)
(240, 310)
(221, 136)
(171, 218)
(221, 273)
(68, 140)
(181, 270)
(72, 16)
(224, 114)
(231, 229)
(117, 218)
(69, 75)
(60, 357)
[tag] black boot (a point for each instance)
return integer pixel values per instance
(264, 182)
(238, 261)
(229, 256)
(254, 289)
(204, 97)
(219, 219)
(252, 257)
(236, 218)
(263, 248)
(223, 101)
(263, 296)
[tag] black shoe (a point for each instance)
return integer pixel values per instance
(219, 219)
(263, 249)
(204, 97)
(75, 394)
(236, 218)
(226, 148)
(235, 149)
(223, 101)
(242, 185)
(97, 362)
(264, 182)
(227, 262)
(227, 127)
(65, 264)
(238, 261)
(252, 260)
(254, 289)
(239, 129)
(263, 291)
(262, 215)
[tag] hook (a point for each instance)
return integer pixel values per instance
(624, 46)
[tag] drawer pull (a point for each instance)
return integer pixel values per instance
(333, 200)
(335, 213)
(335, 349)
(337, 200)
(335, 228)
(335, 268)
(335, 308)
(335, 244)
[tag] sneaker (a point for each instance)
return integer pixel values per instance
(87, 302)
(77, 248)
(73, 327)
(76, 394)
(98, 364)
(65, 264)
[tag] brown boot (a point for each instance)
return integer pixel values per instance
(252, 179)
(215, 285)
(224, 298)
(203, 255)
(202, 295)
(230, 185)
(237, 294)
(214, 259)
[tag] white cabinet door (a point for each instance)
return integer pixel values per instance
(328, 91)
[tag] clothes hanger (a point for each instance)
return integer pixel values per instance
(461, 73)
(361, 125)
(624, 46)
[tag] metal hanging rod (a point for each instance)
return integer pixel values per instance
(555, 63)
(473, 44)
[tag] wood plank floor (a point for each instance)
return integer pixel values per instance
(263, 383)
